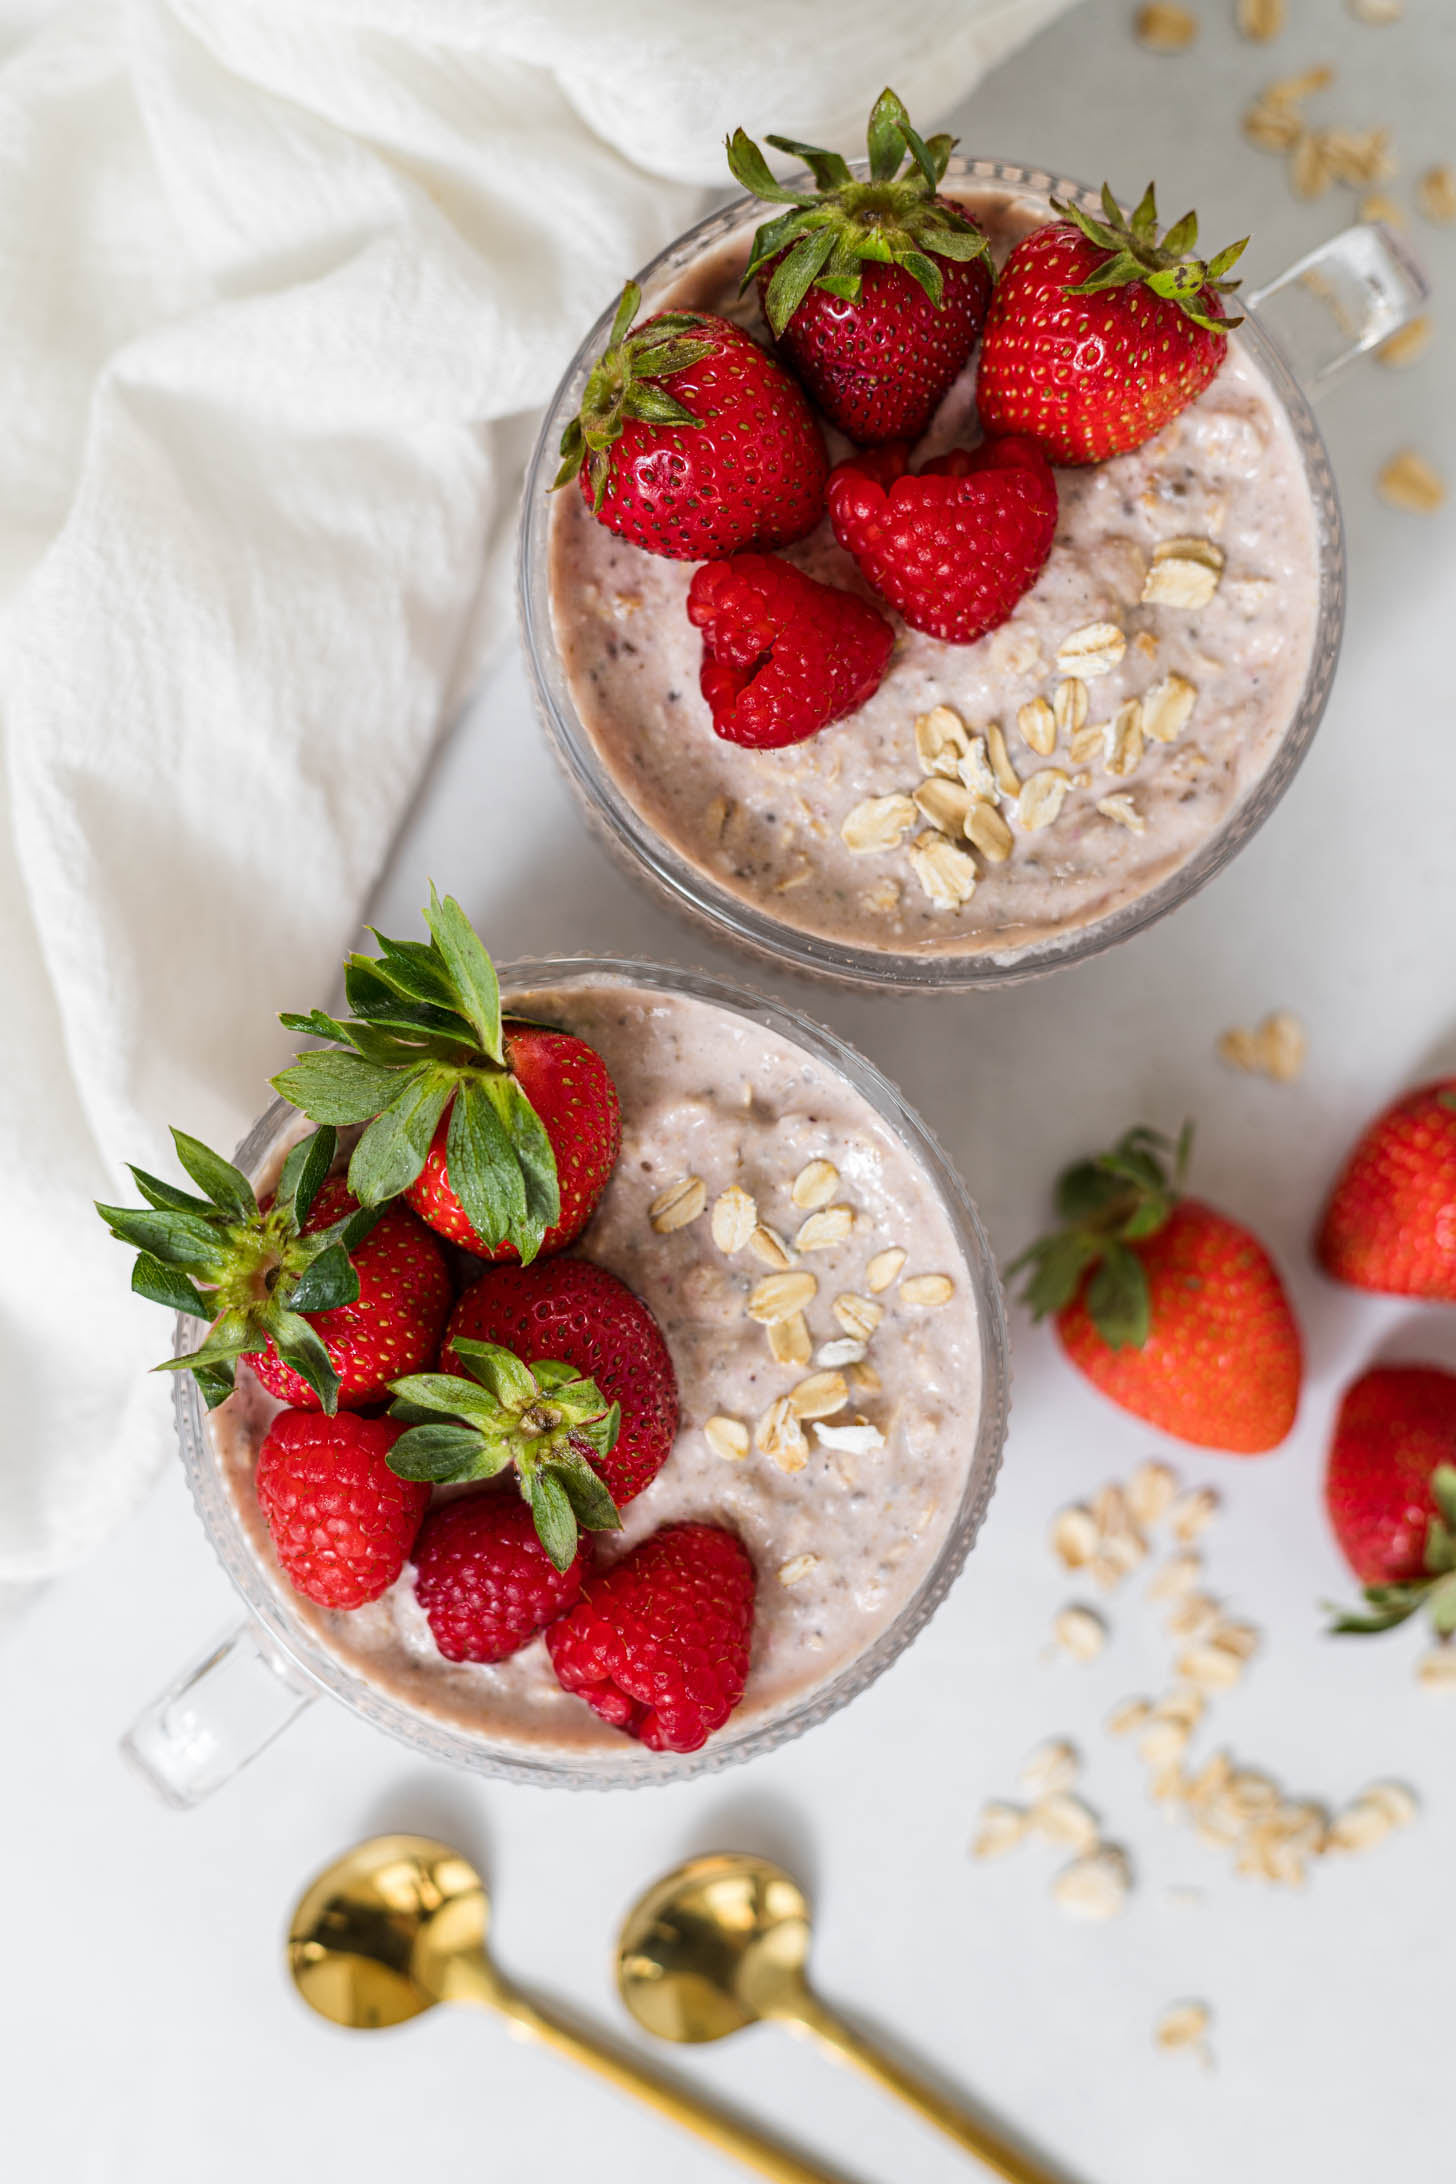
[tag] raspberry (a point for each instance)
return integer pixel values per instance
(576, 1311)
(956, 546)
(783, 655)
(484, 1580)
(658, 1644)
(342, 1524)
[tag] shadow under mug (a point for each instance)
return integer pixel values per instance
(231, 1703)
(1333, 305)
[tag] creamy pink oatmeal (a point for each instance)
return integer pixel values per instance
(844, 1493)
(1140, 689)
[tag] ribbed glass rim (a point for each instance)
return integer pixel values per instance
(747, 923)
(631, 1766)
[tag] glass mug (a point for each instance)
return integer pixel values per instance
(1334, 304)
(248, 1687)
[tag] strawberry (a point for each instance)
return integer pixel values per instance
(1099, 334)
(658, 1644)
(342, 1524)
(484, 1580)
(588, 1423)
(876, 290)
(502, 1134)
(783, 655)
(954, 547)
(330, 1302)
(1390, 1488)
(1171, 1309)
(1391, 1220)
(692, 441)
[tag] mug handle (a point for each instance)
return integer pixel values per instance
(1341, 299)
(217, 1715)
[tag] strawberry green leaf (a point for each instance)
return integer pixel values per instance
(168, 1285)
(960, 243)
(416, 969)
(484, 1172)
(747, 165)
(227, 1186)
(600, 1434)
(328, 1086)
(472, 974)
(456, 1397)
(1440, 1548)
(555, 1521)
(827, 168)
(591, 1504)
(925, 271)
(1442, 1604)
(793, 276)
(1058, 1264)
(382, 1009)
(233, 1336)
(392, 1150)
(444, 1454)
(1443, 1486)
(176, 1238)
(535, 1161)
(885, 136)
(1386, 1607)
(921, 153)
(167, 1198)
(1118, 1300)
(305, 1171)
(298, 1346)
(215, 1382)
(326, 1283)
(316, 1025)
(500, 1372)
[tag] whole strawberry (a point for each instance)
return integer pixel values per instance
(1390, 1488)
(1171, 1309)
(658, 1644)
(783, 655)
(503, 1135)
(329, 1302)
(876, 290)
(341, 1522)
(1391, 1220)
(1099, 333)
(692, 441)
(484, 1580)
(391, 1327)
(955, 546)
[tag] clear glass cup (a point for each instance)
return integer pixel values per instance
(1335, 304)
(253, 1681)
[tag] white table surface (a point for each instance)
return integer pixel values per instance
(146, 2029)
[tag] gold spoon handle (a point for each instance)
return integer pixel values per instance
(622, 2070)
(982, 2139)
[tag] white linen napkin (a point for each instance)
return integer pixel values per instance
(274, 274)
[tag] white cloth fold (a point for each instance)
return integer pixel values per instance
(274, 274)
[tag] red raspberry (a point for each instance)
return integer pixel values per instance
(658, 1644)
(576, 1311)
(393, 1325)
(954, 547)
(342, 1524)
(484, 1580)
(783, 655)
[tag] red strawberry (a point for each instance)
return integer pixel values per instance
(567, 1084)
(955, 547)
(574, 1310)
(692, 441)
(1098, 334)
(392, 1326)
(876, 290)
(783, 655)
(342, 1524)
(658, 1644)
(1391, 1221)
(485, 1581)
(503, 1135)
(1390, 1488)
(1174, 1311)
(329, 1303)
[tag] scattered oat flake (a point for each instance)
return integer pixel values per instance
(1211, 1667)
(1151, 1490)
(1182, 1704)
(1074, 1536)
(884, 1267)
(1184, 2025)
(844, 1350)
(945, 804)
(860, 1439)
(1360, 1826)
(1184, 573)
(865, 1380)
(822, 1230)
(789, 1340)
(735, 1217)
(1408, 482)
(1398, 1803)
(1094, 649)
(999, 1828)
(1164, 27)
(1436, 1670)
(728, 1438)
(1411, 341)
(797, 1568)
(947, 874)
(769, 1248)
(780, 1296)
(1007, 779)
(1080, 1632)
(1124, 812)
(1126, 1716)
(1037, 725)
(779, 1435)
(679, 1204)
(1162, 1743)
(1192, 1513)
(1310, 172)
(1052, 1766)
(928, 1290)
(1069, 705)
(1179, 1574)
(1259, 20)
(975, 771)
(1380, 205)
(1377, 11)
(883, 899)
(1436, 194)
(1272, 124)
(1168, 708)
(1276, 1049)
(1094, 1886)
(1192, 1615)
(858, 1316)
(987, 831)
(820, 1396)
(1061, 1818)
(814, 1185)
(1042, 798)
(879, 823)
(941, 741)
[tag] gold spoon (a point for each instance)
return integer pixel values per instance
(399, 1923)
(723, 1941)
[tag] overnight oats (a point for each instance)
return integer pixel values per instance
(682, 1483)
(999, 802)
